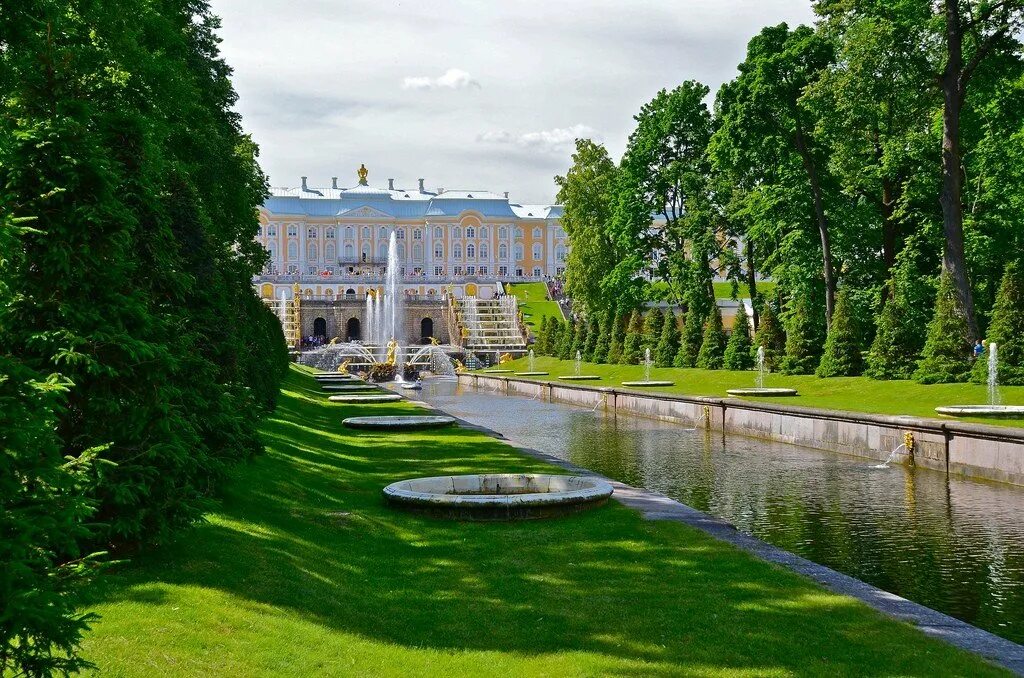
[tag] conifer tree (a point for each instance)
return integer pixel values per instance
(946, 354)
(842, 356)
(895, 349)
(691, 340)
(633, 345)
(1006, 330)
(593, 333)
(565, 341)
(668, 344)
(653, 325)
(770, 336)
(579, 342)
(804, 337)
(712, 349)
(604, 338)
(554, 337)
(737, 351)
(614, 356)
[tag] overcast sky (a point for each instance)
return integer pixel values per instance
(484, 94)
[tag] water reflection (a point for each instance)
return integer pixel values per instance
(955, 545)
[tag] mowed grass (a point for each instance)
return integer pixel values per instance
(855, 394)
(305, 572)
(534, 303)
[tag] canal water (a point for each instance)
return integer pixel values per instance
(953, 544)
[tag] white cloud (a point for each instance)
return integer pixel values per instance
(453, 78)
(551, 140)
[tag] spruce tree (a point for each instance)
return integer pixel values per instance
(895, 349)
(804, 337)
(540, 336)
(565, 341)
(593, 333)
(1006, 330)
(842, 356)
(604, 337)
(579, 343)
(712, 348)
(614, 356)
(633, 346)
(946, 354)
(770, 336)
(554, 337)
(737, 351)
(653, 324)
(668, 344)
(691, 340)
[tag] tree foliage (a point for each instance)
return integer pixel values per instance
(668, 342)
(1006, 330)
(946, 354)
(738, 354)
(712, 348)
(842, 356)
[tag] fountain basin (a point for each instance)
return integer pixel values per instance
(1013, 411)
(348, 388)
(333, 375)
(497, 371)
(652, 382)
(579, 377)
(502, 496)
(762, 392)
(399, 423)
(530, 374)
(365, 398)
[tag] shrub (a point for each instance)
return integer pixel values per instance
(842, 350)
(1007, 330)
(712, 349)
(633, 346)
(737, 351)
(668, 345)
(946, 354)
(770, 336)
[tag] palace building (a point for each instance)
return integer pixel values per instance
(333, 242)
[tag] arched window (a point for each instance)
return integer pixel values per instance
(470, 232)
(537, 233)
(484, 233)
(456, 232)
(519, 251)
(438, 232)
(519, 232)
(311, 252)
(349, 232)
(417, 234)
(382, 250)
(350, 251)
(560, 253)
(417, 252)
(457, 250)
(400, 234)
(382, 233)
(311, 232)
(293, 231)
(438, 250)
(502, 252)
(537, 250)
(484, 250)
(272, 251)
(330, 233)
(329, 253)
(366, 232)
(272, 231)
(365, 253)
(293, 251)
(401, 252)
(503, 232)
(470, 251)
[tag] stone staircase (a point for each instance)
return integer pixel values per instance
(489, 327)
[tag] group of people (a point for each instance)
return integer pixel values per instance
(313, 341)
(980, 346)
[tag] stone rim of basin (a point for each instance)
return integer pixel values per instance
(652, 382)
(762, 392)
(484, 491)
(365, 398)
(350, 387)
(530, 374)
(497, 371)
(334, 375)
(579, 377)
(399, 422)
(981, 410)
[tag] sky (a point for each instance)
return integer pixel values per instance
(485, 95)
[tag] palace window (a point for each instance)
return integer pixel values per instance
(382, 233)
(329, 252)
(311, 232)
(311, 252)
(349, 232)
(457, 250)
(438, 250)
(483, 270)
(366, 232)
(470, 232)
(293, 269)
(471, 251)
(502, 251)
(293, 231)
(400, 234)
(519, 232)
(536, 272)
(330, 233)
(293, 251)
(365, 253)
(471, 270)
(350, 252)
(312, 270)
(484, 232)
(438, 232)
(503, 271)
(537, 250)
(382, 250)
(272, 231)
(401, 252)
(457, 270)
(537, 233)
(417, 252)
(417, 234)
(439, 271)
(519, 252)
(456, 232)
(484, 250)
(503, 232)
(560, 253)
(272, 251)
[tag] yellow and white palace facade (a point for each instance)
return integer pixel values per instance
(333, 242)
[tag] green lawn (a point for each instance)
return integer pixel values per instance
(857, 394)
(303, 571)
(534, 302)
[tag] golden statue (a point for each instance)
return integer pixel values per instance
(362, 172)
(459, 367)
(505, 359)
(392, 352)
(343, 368)
(434, 341)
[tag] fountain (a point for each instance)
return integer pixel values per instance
(531, 367)
(993, 408)
(759, 390)
(647, 374)
(577, 371)
(399, 422)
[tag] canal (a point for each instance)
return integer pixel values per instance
(953, 544)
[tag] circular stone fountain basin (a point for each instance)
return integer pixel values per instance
(530, 374)
(579, 377)
(762, 392)
(497, 371)
(399, 423)
(365, 398)
(350, 387)
(333, 376)
(503, 496)
(982, 410)
(653, 382)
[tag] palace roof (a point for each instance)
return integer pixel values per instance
(399, 203)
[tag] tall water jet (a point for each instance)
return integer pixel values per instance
(393, 293)
(578, 363)
(647, 364)
(368, 334)
(993, 374)
(760, 367)
(529, 360)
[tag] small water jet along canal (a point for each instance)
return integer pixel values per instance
(953, 544)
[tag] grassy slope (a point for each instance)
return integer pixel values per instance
(273, 584)
(534, 302)
(858, 394)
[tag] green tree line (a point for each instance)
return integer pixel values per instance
(135, 359)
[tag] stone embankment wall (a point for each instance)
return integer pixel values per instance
(971, 450)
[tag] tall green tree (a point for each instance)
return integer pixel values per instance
(712, 349)
(842, 357)
(593, 334)
(1006, 331)
(737, 352)
(654, 322)
(946, 354)
(633, 344)
(604, 338)
(805, 337)
(618, 337)
(668, 343)
(771, 337)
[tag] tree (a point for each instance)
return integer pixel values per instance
(579, 343)
(693, 337)
(712, 349)
(842, 345)
(946, 354)
(654, 322)
(668, 344)
(804, 338)
(593, 334)
(586, 194)
(604, 338)
(896, 347)
(614, 356)
(566, 340)
(771, 337)
(633, 346)
(1007, 331)
(737, 351)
